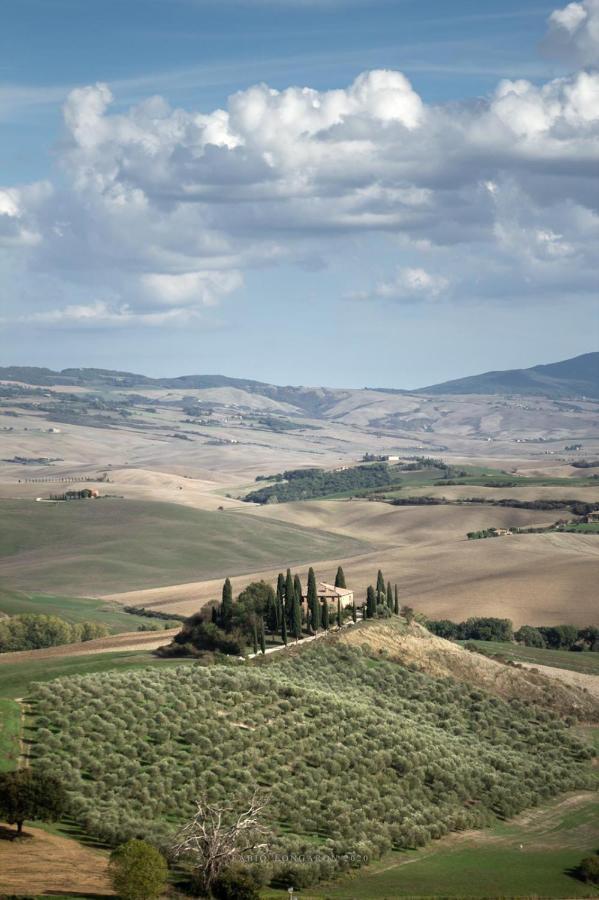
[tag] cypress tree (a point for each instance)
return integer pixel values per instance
(284, 629)
(289, 598)
(340, 578)
(389, 596)
(214, 615)
(227, 605)
(370, 602)
(313, 604)
(297, 618)
(297, 587)
(339, 617)
(262, 638)
(354, 612)
(255, 635)
(272, 615)
(325, 614)
(396, 607)
(280, 587)
(380, 587)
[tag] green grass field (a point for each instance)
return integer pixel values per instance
(75, 609)
(587, 662)
(106, 546)
(530, 856)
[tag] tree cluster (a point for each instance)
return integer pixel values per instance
(382, 601)
(305, 484)
(30, 631)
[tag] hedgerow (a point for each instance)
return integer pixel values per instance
(358, 754)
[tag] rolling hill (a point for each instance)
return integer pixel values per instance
(577, 377)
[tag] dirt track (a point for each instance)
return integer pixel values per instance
(42, 863)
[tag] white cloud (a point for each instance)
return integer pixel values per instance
(162, 210)
(411, 285)
(574, 32)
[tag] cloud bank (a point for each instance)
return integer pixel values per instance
(159, 212)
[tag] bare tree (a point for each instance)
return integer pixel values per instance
(218, 834)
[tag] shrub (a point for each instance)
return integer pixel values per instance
(238, 884)
(138, 871)
(588, 869)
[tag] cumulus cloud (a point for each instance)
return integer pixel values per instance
(162, 210)
(574, 32)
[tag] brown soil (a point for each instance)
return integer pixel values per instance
(42, 863)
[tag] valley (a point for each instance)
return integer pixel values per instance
(161, 477)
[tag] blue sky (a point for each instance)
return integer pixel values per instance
(430, 226)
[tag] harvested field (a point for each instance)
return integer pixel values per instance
(45, 863)
(531, 579)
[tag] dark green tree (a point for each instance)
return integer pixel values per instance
(284, 629)
(340, 578)
(396, 601)
(30, 794)
(226, 610)
(354, 612)
(289, 599)
(325, 614)
(297, 617)
(389, 596)
(380, 587)
(297, 587)
(262, 637)
(313, 604)
(281, 590)
(138, 871)
(370, 602)
(339, 616)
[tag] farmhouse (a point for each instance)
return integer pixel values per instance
(332, 594)
(85, 494)
(592, 517)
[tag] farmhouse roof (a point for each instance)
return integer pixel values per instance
(331, 590)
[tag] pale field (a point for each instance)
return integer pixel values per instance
(531, 579)
(44, 863)
(537, 579)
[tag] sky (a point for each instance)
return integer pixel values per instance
(383, 193)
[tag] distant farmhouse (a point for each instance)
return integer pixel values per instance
(84, 494)
(332, 594)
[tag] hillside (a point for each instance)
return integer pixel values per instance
(358, 753)
(417, 647)
(577, 377)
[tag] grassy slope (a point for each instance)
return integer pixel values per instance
(115, 545)
(487, 864)
(587, 663)
(73, 609)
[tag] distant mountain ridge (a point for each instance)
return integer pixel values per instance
(574, 378)
(570, 378)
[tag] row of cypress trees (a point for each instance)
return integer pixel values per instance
(283, 612)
